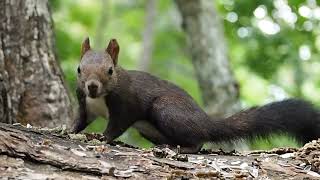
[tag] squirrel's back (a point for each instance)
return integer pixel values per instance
(147, 88)
(153, 85)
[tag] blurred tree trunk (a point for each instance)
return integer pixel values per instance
(31, 82)
(207, 46)
(148, 35)
(102, 23)
(299, 76)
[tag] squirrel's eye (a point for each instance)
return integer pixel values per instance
(79, 71)
(110, 71)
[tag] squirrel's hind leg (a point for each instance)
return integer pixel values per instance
(179, 120)
(150, 132)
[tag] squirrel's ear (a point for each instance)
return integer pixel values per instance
(113, 50)
(85, 46)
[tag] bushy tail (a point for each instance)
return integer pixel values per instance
(296, 117)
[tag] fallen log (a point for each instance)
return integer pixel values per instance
(31, 153)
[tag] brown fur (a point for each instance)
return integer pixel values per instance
(166, 114)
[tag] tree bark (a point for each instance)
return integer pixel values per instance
(31, 82)
(204, 31)
(38, 154)
(148, 36)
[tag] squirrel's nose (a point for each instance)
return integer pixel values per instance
(92, 87)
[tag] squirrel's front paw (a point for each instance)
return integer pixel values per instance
(73, 130)
(107, 139)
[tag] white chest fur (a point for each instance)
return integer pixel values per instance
(97, 106)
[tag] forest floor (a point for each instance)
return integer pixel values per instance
(31, 153)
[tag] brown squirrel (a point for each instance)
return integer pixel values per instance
(166, 114)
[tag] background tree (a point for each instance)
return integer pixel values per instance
(31, 82)
(101, 25)
(148, 36)
(207, 47)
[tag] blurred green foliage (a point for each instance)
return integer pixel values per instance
(273, 47)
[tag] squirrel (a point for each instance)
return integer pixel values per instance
(166, 114)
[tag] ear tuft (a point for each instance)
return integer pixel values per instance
(113, 50)
(85, 46)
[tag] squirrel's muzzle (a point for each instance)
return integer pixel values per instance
(93, 88)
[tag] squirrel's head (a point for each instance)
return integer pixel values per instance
(97, 70)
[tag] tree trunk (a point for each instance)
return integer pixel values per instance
(31, 82)
(148, 35)
(206, 42)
